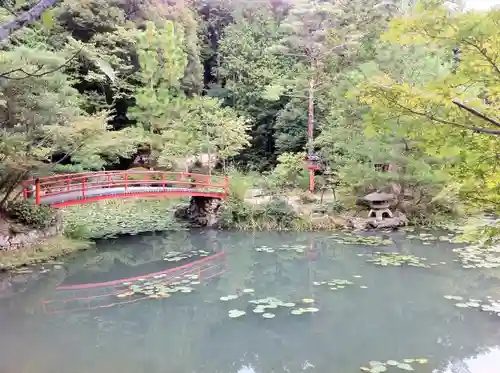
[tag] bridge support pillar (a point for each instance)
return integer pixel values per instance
(201, 211)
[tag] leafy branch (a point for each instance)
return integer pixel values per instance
(24, 19)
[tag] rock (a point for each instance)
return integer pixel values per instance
(399, 220)
(201, 211)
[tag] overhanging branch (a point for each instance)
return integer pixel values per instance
(475, 112)
(429, 116)
(25, 18)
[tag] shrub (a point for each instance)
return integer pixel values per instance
(274, 215)
(27, 213)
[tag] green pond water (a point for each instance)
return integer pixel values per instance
(317, 305)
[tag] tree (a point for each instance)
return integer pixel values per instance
(426, 111)
(25, 18)
(179, 126)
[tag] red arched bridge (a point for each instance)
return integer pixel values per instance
(70, 189)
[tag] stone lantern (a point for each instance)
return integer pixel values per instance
(379, 205)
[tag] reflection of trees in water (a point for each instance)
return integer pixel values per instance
(146, 248)
(193, 333)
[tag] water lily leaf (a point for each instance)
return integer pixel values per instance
(422, 361)
(364, 369)
(236, 313)
(290, 304)
(296, 312)
(248, 290)
(232, 297)
(363, 287)
(405, 366)
(374, 363)
(392, 362)
(259, 310)
(308, 300)
(453, 297)
(461, 305)
(409, 360)
(268, 315)
(378, 369)
(224, 299)
(312, 309)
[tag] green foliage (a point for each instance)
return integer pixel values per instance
(35, 216)
(276, 214)
(289, 173)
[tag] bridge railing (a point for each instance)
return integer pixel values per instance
(84, 182)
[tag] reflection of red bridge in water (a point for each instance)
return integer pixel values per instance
(92, 296)
(85, 187)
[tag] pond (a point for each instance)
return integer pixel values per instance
(207, 301)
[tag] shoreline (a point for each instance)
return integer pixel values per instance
(106, 219)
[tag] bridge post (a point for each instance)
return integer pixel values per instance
(37, 191)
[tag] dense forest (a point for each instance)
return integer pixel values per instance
(92, 84)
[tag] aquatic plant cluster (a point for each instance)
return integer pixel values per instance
(380, 367)
(177, 256)
(264, 306)
(426, 238)
(334, 284)
(157, 287)
(349, 238)
(489, 305)
(385, 259)
(290, 248)
(476, 256)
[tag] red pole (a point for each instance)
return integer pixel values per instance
(37, 191)
(83, 187)
(126, 181)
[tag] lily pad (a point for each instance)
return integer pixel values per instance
(268, 315)
(461, 305)
(248, 291)
(409, 360)
(374, 363)
(224, 299)
(297, 312)
(289, 304)
(453, 297)
(308, 300)
(378, 369)
(405, 366)
(392, 362)
(236, 313)
(311, 309)
(422, 361)
(259, 310)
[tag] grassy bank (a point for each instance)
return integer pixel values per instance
(50, 248)
(115, 217)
